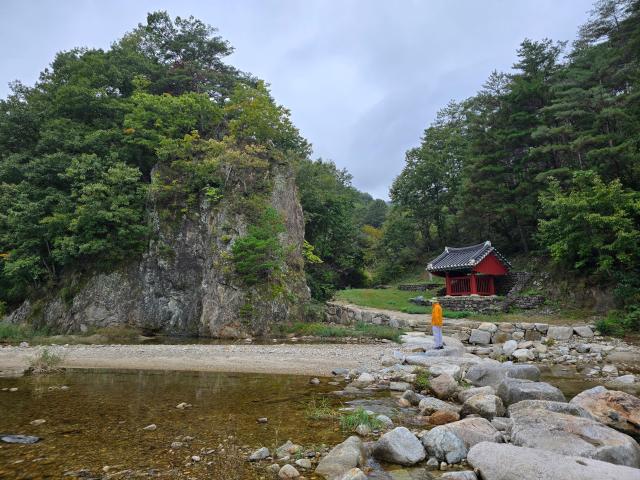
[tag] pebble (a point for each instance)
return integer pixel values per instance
(195, 458)
(150, 428)
(314, 381)
(176, 445)
(183, 405)
(37, 422)
(262, 420)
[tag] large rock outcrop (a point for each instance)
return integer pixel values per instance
(183, 283)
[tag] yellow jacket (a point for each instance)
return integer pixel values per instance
(436, 315)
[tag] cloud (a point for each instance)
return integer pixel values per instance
(362, 78)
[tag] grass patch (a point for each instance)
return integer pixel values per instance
(619, 323)
(561, 317)
(320, 409)
(119, 332)
(10, 332)
(361, 330)
(45, 362)
(422, 379)
(416, 309)
(383, 298)
(350, 421)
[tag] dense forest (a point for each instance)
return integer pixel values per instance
(544, 161)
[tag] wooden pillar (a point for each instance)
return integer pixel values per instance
(492, 286)
(448, 283)
(474, 285)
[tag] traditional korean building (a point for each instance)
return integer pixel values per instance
(470, 270)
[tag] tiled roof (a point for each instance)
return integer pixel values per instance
(464, 258)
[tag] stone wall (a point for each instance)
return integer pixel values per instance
(472, 303)
(468, 331)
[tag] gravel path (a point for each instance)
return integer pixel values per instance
(315, 359)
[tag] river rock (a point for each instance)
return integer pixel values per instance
(492, 373)
(150, 428)
(399, 386)
(304, 463)
(386, 421)
(449, 368)
(259, 454)
(559, 333)
(571, 435)
(523, 354)
(466, 393)
(354, 474)
(465, 475)
(616, 409)
(444, 386)
(509, 347)
(364, 380)
(288, 471)
(480, 337)
(287, 448)
(508, 462)
(399, 446)
(25, 439)
(583, 331)
(513, 390)
(451, 442)
(37, 422)
(501, 423)
(550, 406)
(485, 405)
(442, 417)
(428, 405)
(342, 458)
(412, 397)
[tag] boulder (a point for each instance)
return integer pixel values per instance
(386, 421)
(399, 386)
(550, 406)
(442, 417)
(466, 393)
(342, 458)
(559, 333)
(399, 446)
(492, 373)
(616, 409)
(449, 368)
(428, 405)
(288, 471)
(287, 448)
(444, 386)
(501, 423)
(354, 474)
(541, 428)
(480, 337)
(364, 380)
(465, 475)
(513, 390)
(259, 454)
(583, 331)
(304, 463)
(509, 347)
(412, 397)
(451, 442)
(509, 462)
(485, 405)
(523, 354)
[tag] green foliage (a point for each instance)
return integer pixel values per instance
(422, 379)
(361, 330)
(620, 322)
(45, 361)
(416, 309)
(320, 409)
(592, 226)
(258, 256)
(158, 113)
(350, 421)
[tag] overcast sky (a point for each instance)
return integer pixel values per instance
(362, 78)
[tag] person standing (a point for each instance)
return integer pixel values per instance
(436, 324)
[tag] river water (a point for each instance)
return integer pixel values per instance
(98, 421)
(94, 428)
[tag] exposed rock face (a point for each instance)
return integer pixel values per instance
(616, 409)
(342, 458)
(182, 284)
(508, 462)
(542, 428)
(399, 446)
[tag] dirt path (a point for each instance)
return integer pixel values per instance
(316, 359)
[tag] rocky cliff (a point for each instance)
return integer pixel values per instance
(184, 284)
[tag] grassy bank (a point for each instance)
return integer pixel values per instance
(360, 330)
(11, 333)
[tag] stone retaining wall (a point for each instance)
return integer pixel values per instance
(419, 287)
(468, 331)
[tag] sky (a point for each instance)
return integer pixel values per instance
(362, 78)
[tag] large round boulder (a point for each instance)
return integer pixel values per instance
(616, 409)
(399, 446)
(514, 390)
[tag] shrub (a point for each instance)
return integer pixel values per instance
(422, 379)
(13, 332)
(350, 421)
(45, 362)
(258, 256)
(619, 322)
(320, 409)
